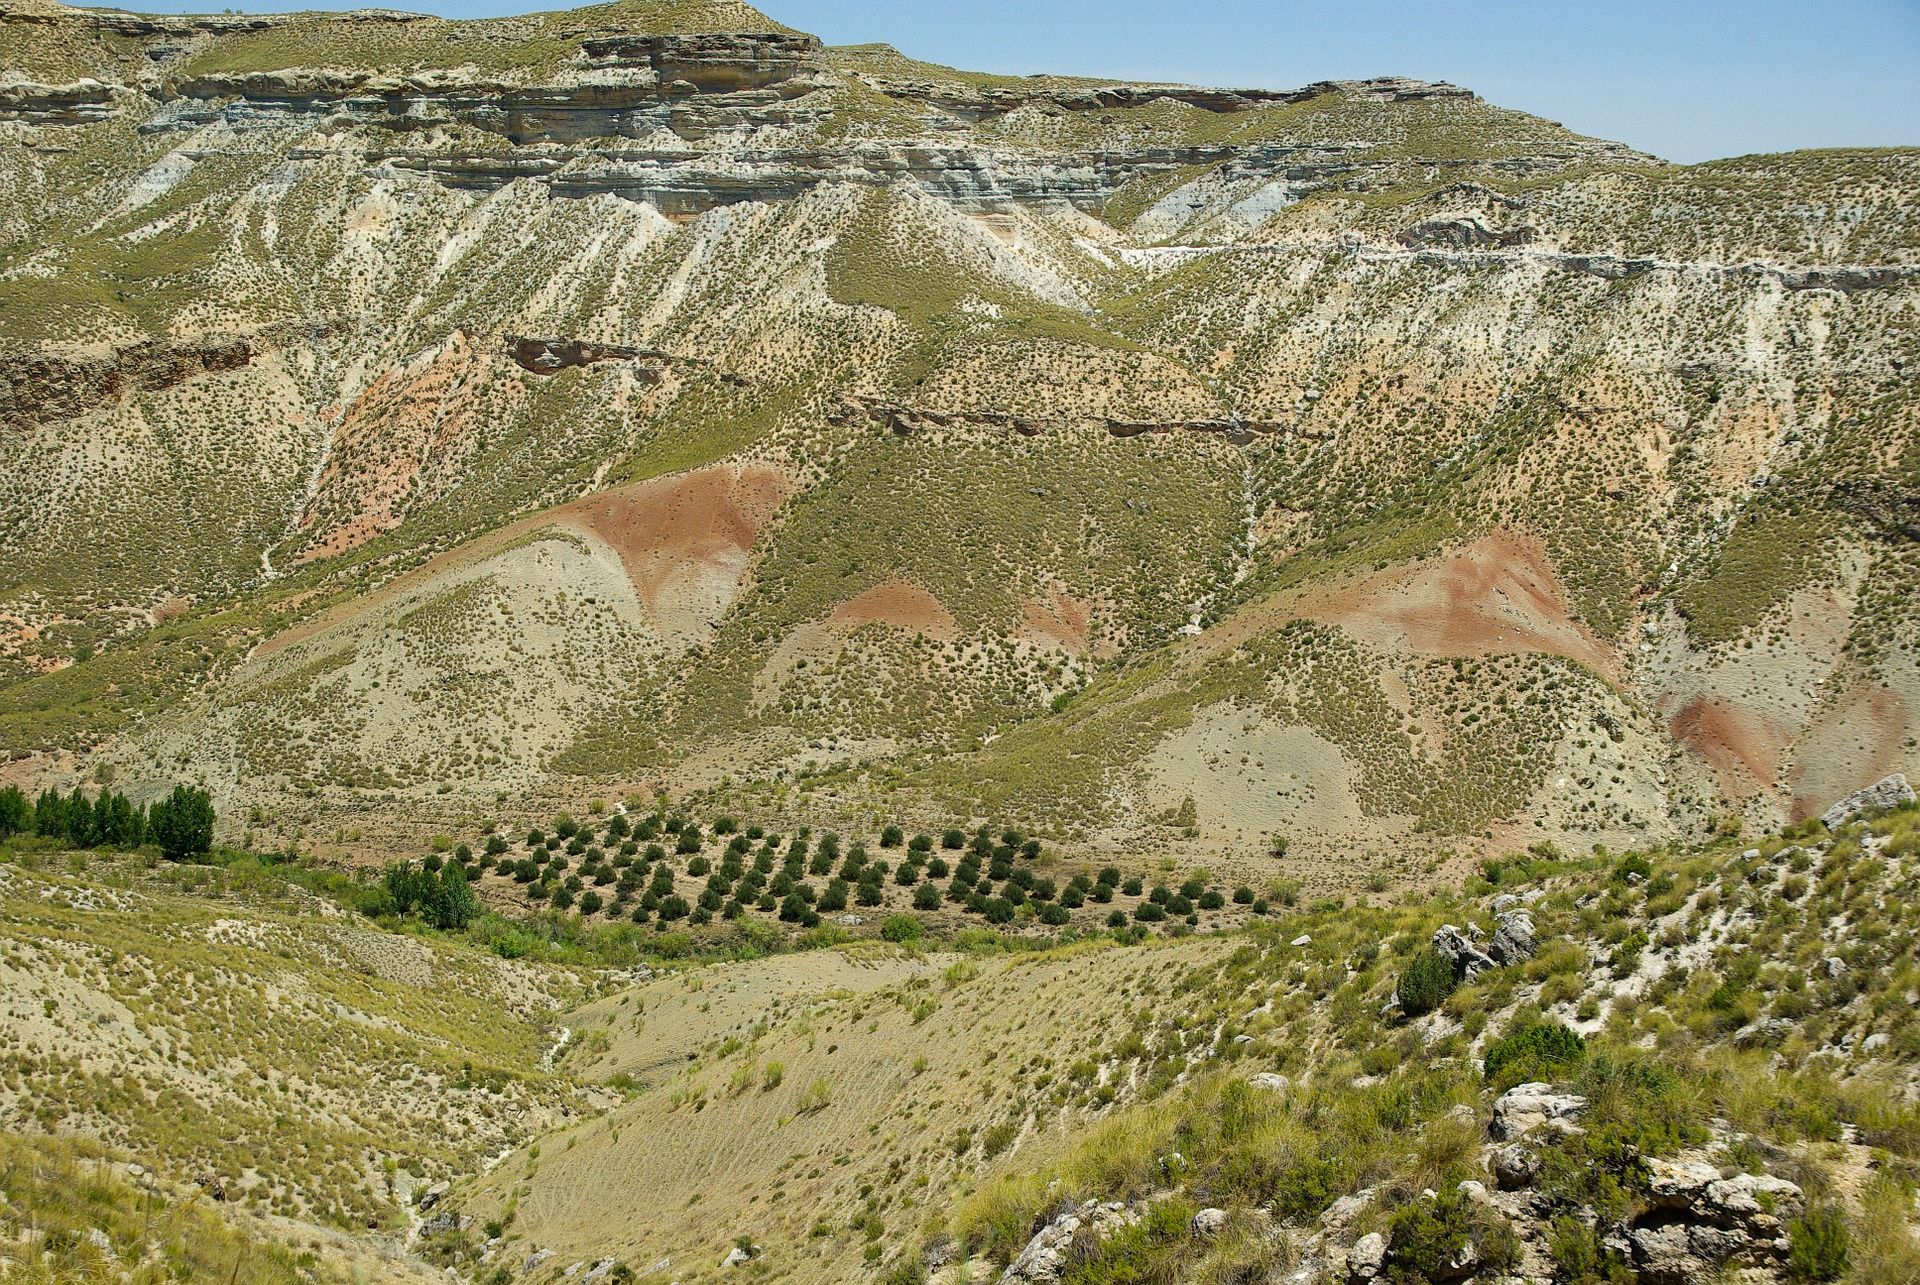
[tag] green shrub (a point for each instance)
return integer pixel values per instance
(1425, 983)
(902, 928)
(1576, 1250)
(1819, 1246)
(1535, 1051)
(1427, 1237)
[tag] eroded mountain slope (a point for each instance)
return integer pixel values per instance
(402, 412)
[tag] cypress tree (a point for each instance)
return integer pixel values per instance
(16, 814)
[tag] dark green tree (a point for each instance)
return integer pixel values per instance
(454, 905)
(50, 815)
(16, 814)
(182, 823)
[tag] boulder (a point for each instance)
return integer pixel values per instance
(1763, 1032)
(1208, 1223)
(1888, 792)
(434, 1195)
(1341, 1213)
(441, 1223)
(1514, 1166)
(1513, 941)
(1270, 1080)
(1677, 1184)
(1368, 1257)
(738, 1256)
(1466, 958)
(1527, 1107)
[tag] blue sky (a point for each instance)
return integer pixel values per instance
(1685, 79)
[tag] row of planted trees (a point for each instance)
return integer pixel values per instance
(179, 824)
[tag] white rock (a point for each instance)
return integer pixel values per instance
(1367, 1257)
(1527, 1107)
(1270, 1080)
(1888, 792)
(1208, 1222)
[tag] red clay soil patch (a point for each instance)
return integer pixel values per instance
(709, 517)
(1061, 621)
(1854, 744)
(1742, 748)
(1498, 594)
(898, 603)
(686, 540)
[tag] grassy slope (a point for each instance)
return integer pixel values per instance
(217, 1021)
(1660, 972)
(847, 1107)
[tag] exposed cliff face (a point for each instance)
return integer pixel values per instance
(43, 387)
(904, 421)
(708, 117)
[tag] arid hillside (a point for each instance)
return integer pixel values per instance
(408, 421)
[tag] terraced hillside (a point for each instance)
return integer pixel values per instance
(410, 421)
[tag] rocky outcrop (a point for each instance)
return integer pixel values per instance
(1048, 1255)
(1467, 959)
(975, 105)
(626, 85)
(48, 387)
(547, 356)
(551, 354)
(1888, 792)
(1464, 234)
(80, 102)
(903, 420)
(1513, 940)
(1528, 1108)
(1698, 1223)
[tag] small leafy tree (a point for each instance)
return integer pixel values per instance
(16, 814)
(455, 906)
